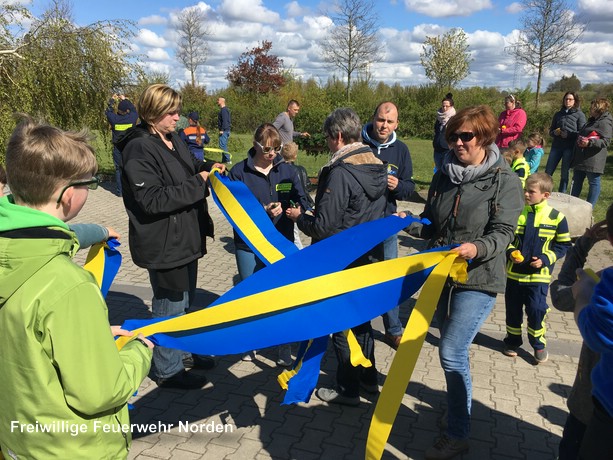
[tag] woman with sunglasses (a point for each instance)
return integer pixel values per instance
(276, 186)
(473, 203)
(511, 122)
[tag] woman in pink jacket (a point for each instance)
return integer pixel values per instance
(511, 122)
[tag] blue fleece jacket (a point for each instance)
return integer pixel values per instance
(596, 325)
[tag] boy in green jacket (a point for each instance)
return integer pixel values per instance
(64, 386)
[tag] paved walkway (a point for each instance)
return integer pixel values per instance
(518, 411)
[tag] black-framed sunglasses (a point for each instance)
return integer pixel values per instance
(270, 149)
(92, 184)
(466, 136)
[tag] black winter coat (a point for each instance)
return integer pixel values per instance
(350, 191)
(165, 199)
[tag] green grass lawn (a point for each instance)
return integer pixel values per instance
(421, 154)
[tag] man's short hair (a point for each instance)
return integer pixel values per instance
(292, 102)
(156, 101)
(40, 158)
(346, 122)
(542, 180)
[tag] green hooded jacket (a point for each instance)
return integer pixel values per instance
(64, 386)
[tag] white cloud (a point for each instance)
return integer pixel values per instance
(239, 25)
(514, 8)
(158, 54)
(447, 8)
(147, 37)
(294, 10)
(154, 20)
(247, 11)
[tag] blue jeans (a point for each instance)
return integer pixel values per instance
(391, 319)
(564, 153)
(460, 314)
(593, 180)
(166, 302)
(223, 145)
(117, 161)
(247, 263)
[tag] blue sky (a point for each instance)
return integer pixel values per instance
(297, 27)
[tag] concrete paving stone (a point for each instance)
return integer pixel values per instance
(215, 451)
(138, 446)
(164, 447)
(505, 404)
(263, 432)
(281, 447)
(312, 441)
(247, 449)
(182, 454)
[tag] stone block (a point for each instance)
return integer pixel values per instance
(578, 212)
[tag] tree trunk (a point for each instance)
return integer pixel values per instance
(538, 86)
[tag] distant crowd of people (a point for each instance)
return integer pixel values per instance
(486, 201)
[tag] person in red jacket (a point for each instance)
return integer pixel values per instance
(512, 122)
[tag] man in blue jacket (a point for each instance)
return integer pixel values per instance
(124, 119)
(380, 136)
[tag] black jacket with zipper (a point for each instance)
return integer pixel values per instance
(165, 199)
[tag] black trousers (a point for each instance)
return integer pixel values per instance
(348, 377)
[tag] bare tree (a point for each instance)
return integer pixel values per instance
(352, 44)
(192, 48)
(549, 34)
(446, 59)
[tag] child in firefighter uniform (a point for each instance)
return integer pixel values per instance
(541, 238)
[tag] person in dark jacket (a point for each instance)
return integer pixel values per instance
(125, 118)
(277, 187)
(590, 155)
(351, 190)
(580, 405)
(224, 123)
(164, 195)
(380, 136)
(440, 145)
(564, 128)
(474, 201)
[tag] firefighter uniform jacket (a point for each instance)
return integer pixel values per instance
(541, 232)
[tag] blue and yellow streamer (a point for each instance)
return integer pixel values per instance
(103, 261)
(282, 304)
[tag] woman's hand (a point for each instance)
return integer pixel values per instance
(466, 251)
(293, 213)
(220, 166)
(274, 209)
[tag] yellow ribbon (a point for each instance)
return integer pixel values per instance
(408, 351)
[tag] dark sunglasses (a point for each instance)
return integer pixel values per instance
(92, 184)
(464, 137)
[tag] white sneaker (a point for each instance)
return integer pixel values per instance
(249, 356)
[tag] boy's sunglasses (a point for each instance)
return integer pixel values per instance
(270, 149)
(92, 184)
(465, 136)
